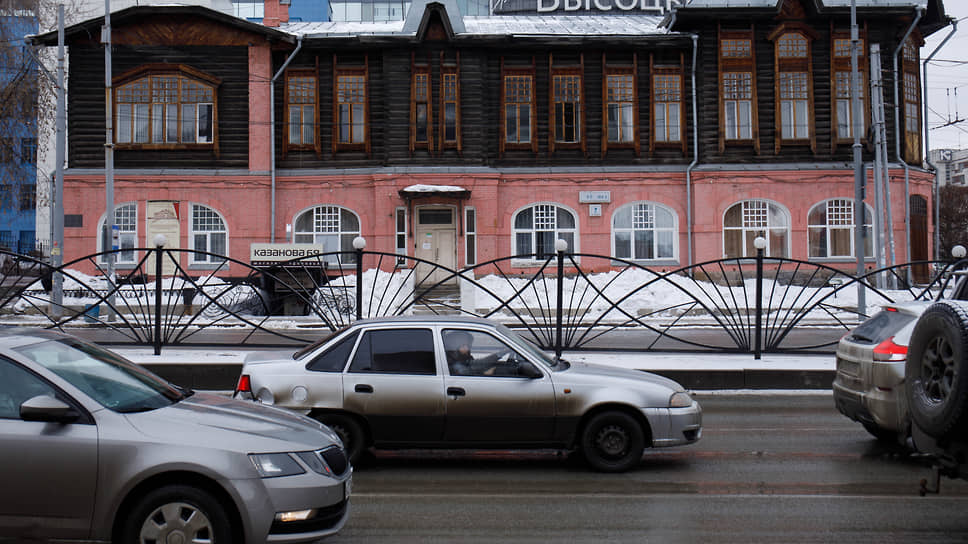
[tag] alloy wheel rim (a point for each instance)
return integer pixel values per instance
(937, 369)
(177, 523)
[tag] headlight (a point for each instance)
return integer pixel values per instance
(273, 465)
(680, 399)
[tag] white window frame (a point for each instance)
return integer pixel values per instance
(745, 227)
(470, 233)
(122, 234)
(338, 232)
(738, 108)
(401, 249)
(674, 230)
(827, 227)
(195, 259)
(533, 230)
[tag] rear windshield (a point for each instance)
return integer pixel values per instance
(880, 327)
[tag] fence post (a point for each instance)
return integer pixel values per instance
(359, 243)
(159, 244)
(560, 246)
(759, 243)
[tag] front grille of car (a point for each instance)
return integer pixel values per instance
(326, 518)
(336, 459)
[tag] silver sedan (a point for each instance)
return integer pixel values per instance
(96, 448)
(456, 382)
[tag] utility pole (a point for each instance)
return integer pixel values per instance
(57, 211)
(857, 125)
(109, 227)
(877, 110)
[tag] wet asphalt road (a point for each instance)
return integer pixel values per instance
(768, 469)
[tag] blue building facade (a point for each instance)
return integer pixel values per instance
(18, 135)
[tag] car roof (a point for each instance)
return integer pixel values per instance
(12, 336)
(427, 319)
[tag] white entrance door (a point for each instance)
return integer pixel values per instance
(436, 239)
(162, 218)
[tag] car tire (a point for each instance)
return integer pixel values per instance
(350, 432)
(180, 511)
(936, 371)
(612, 442)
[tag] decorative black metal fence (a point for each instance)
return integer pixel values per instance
(561, 302)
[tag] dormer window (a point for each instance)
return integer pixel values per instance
(165, 107)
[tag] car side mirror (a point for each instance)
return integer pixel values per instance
(48, 409)
(528, 370)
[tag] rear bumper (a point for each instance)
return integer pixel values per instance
(874, 401)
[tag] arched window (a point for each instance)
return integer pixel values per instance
(126, 219)
(746, 220)
(165, 106)
(538, 226)
(208, 233)
(644, 231)
(334, 227)
(830, 226)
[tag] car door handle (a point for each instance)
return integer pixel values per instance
(363, 388)
(456, 392)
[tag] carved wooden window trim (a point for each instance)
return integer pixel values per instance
(351, 88)
(164, 94)
(301, 99)
(793, 85)
(668, 93)
(566, 100)
(911, 98)
(449, 99)
(840, 70)
(520, 83)
(737, 87)
(421, 107)
(620, 88)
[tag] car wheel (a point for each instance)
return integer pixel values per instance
(881, 434)
(177, 513)
(612, 442)
(936, 371)
(349, 431)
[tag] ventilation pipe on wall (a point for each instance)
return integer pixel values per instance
(927, 159)
(898, 129)
(695, 151)
(272, 137)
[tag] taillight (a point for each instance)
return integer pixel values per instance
(889, 351)
(244, 386)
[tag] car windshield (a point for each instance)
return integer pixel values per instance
(881, 326)
(109, 379)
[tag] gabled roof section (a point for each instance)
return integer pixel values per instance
(933, 18)
(422, 13)
(134, 15)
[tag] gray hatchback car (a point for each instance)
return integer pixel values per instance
(461, 382)
(96, 448)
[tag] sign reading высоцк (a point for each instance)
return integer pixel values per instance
(261, 254)
(652, 7)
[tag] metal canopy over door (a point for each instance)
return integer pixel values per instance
(436, 241)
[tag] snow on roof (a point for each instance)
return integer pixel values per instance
(825, 3)
(506, 25)
(421, 188)
(339, 29)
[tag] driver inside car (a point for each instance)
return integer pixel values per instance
(457, 345)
